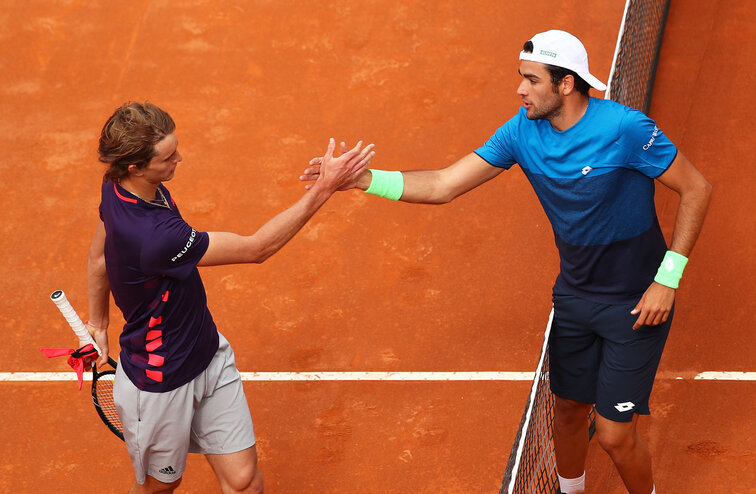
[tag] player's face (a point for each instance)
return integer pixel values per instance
(537, 91)
(162, 167)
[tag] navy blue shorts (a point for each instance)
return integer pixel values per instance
(595, 356)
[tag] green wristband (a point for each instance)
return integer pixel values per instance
(671, 269)
(386, 184)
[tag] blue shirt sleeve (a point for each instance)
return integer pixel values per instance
(175, 249)
(648, 149)
(499, 149)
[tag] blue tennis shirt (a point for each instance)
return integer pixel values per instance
(151, 257)
(595, 182)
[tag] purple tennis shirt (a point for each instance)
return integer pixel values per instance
(151, 257)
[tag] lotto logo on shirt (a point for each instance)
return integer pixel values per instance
(653, 138)
(186, 247)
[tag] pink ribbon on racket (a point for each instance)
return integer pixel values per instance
(79, 360)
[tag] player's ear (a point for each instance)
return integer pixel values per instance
(567, 85)
(134, 170)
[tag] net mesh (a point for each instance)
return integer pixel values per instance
(634, 68)
(531, 468)
(532, 457)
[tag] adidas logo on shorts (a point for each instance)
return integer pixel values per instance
(168, 470)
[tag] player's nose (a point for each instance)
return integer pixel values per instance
(521, 89)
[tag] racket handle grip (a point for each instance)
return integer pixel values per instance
(59, 298)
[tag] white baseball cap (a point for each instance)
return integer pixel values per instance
(562, 49)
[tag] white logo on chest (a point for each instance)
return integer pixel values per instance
(586, 170)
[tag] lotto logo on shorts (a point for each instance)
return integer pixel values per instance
(624, 407)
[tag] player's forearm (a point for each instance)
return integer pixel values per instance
(231, 248)
(420, 186)
(98, 286)
(691, 212)
(426, 187)
(277, 232)
(432, 186)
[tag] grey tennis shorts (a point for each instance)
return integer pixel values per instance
(208, 415)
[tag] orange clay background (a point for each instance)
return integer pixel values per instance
(256, 89)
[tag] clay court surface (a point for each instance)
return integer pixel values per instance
(256, 89)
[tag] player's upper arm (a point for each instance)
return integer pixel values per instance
(450, 182)
(231, 248)
(683, 177)
(97, 247)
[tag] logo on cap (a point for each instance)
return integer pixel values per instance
(549, 53)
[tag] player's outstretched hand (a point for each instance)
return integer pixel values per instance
(654, 306)
(344, 171)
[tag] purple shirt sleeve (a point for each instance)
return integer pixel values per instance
(175, 249)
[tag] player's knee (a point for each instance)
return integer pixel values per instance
(154, 486)
(247, 480)
(616, 439)
(256, 485)
(570, 413)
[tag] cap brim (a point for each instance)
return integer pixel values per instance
(593, 82)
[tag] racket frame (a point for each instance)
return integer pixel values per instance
(78, 327)
(96, 375)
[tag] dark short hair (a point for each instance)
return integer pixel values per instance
(559, 73)
(130, 135)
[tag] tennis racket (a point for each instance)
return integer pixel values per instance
(102, 381)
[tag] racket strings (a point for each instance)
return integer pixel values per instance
(103, 398)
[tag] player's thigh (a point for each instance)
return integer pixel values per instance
(629, 362)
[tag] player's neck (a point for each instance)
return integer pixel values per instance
(573, 109)
(139, 187)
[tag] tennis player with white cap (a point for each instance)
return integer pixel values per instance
(593, 164)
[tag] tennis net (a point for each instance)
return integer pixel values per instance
(631, 79)
(531, 468)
